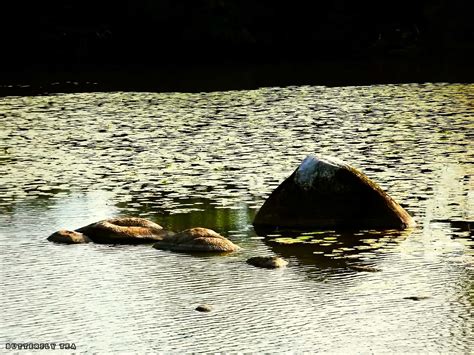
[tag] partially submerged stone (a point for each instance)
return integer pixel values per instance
(267, 262)
(203, 308)
(128, 230)
(363, 268)
(68, 237)
(196, 240)
(328, 193)
(416, 298)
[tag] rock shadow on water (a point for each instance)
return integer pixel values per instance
(187, 212)
(357, 251)
(458, 225)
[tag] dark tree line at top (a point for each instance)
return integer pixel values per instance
(94, 33)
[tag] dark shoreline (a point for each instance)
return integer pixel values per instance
(237, 76)
(160, 46)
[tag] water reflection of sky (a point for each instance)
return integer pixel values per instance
(210, 159)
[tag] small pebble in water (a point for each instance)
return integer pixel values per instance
(203, 308)
(416, 298)
(267, 262)
(363, 268)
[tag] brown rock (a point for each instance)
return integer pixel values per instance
(128, 230)
(267, 262)
(203, 308)
(68, 237)
(196, 240)
(328, 193)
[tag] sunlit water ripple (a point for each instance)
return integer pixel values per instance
(211, 159)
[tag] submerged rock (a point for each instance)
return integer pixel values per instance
(363, 268)
(68, 237)
(203, 308)
(328, 193)
(416, 298)
(268, 262)
(127, 230)
(196, 240)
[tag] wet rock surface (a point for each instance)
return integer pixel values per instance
(267, 262)
(203, 308)
(127, 230)
(68, 237)
(197, 240)
(328, 193)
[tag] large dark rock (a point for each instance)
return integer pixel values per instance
(197, 240)
(328, 193)
(128, 230)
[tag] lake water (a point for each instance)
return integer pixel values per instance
(211, 159)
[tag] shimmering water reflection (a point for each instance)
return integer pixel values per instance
(210, 159)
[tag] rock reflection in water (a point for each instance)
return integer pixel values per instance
(335, 249)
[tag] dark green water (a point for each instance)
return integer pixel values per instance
(210, 160)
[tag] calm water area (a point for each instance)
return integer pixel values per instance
(210, 159)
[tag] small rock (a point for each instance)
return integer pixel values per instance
(268, 262)
(203, 308)
(363, 268)
(416, 298)
(68, 237)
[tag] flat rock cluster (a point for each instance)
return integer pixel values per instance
(133, 230)
(321, 193)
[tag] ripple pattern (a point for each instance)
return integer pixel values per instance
(211, 159)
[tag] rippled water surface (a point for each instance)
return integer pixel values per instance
(210, 160)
